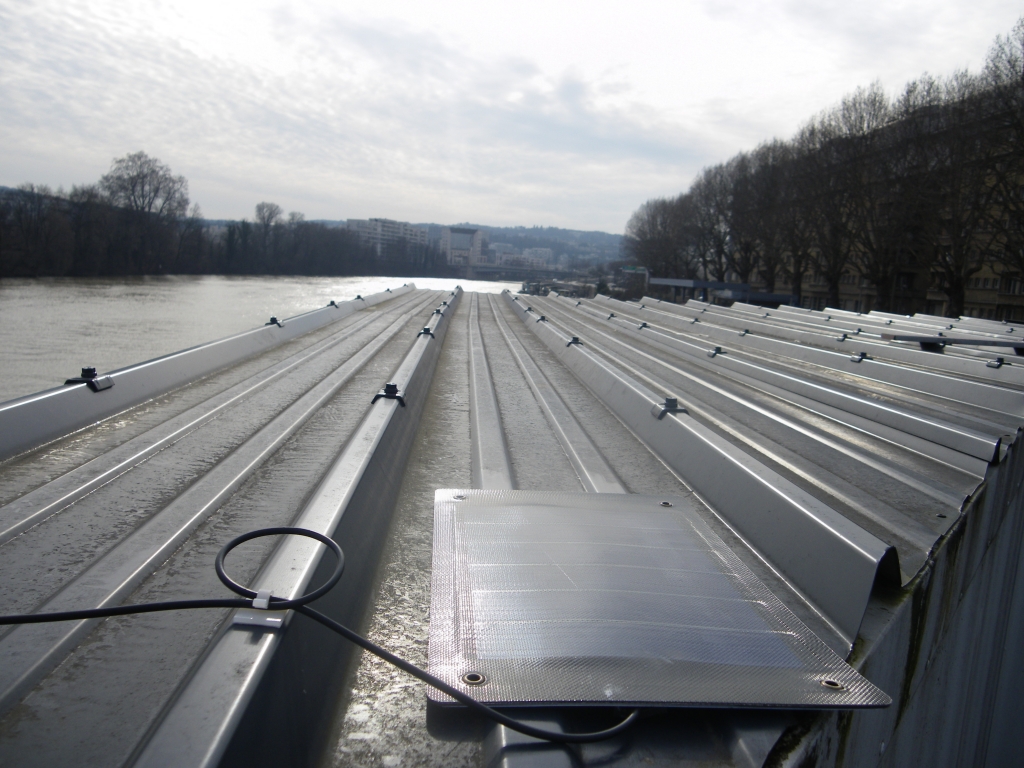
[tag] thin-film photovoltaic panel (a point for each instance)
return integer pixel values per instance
(571, 598)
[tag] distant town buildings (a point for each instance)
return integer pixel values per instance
(463, 246)
(380, 233)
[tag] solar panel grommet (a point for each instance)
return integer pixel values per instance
(459, 497)
(474, 678)
(832, 685)
(666, 503)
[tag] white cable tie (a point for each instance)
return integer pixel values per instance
(262, 600)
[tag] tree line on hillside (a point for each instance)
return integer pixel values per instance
(930, 181)
(137, 221)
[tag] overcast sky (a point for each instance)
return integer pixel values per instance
(550, 112)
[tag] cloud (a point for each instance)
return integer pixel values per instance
(352, 114)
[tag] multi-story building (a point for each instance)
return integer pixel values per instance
(462, 246)
(380, 233)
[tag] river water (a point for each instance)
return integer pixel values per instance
(50, 328)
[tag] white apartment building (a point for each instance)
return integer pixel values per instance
(381, 232)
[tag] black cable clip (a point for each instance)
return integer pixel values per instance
(275, 321)
(574, 340)
(390, 392)
(426, 332)
(671, 405)
(89, 377)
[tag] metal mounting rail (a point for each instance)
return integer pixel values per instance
(30, 421)
(827, 558)
(917, 381)
(936, 343)
(235, 702)
(31, 651)
(958, 445)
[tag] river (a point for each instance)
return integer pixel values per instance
(50, 328)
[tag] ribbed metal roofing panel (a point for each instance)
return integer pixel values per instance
(871, 485)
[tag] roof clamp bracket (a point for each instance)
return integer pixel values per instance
(332, 304)
(578, 303)
(529, 309)
(444, 303)
(275, 321)
(89, 377)
(390, 392)
(858, 357)
(671, 405)
(714, 351)
(438, 312)
(841, 337)
(262, 600)
(359, 298)
(542, 319)
(611, 315)
(387, 290)
(997, 363)
(642, 326)
(574, 340)
(744, 332)
(694, 320)
(642, 306)
(426, 332)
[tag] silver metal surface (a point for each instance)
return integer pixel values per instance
(200, 726)
(491, 466)
(829, 559)
(614, 599)
(31, 421)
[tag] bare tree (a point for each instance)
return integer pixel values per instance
(953, 129)
(1004, 82)
(143, 184)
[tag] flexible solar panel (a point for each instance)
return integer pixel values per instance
(571, 598)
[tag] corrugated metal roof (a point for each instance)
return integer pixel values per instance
(837, 466)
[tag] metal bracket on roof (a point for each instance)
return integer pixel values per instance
(542, 319)
(390, 392)
(611, 315)
(714, 351)
(997, 363)
(744, 332)
(438, 312)
(529, 309)
(426, 332)
(358, 298)
(642, 326)
(695, 320)
(275, 321)
(841, 337)
(444, 303)
(574, 340)
(671, 405)
(387, 290)
(94, 382)
(578, 303)
(642, 306)
(332, 304)
(858, 357)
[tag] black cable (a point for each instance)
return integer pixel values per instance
(299, 605)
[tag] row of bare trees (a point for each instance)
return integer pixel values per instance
(928, 183)
(137, 221)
